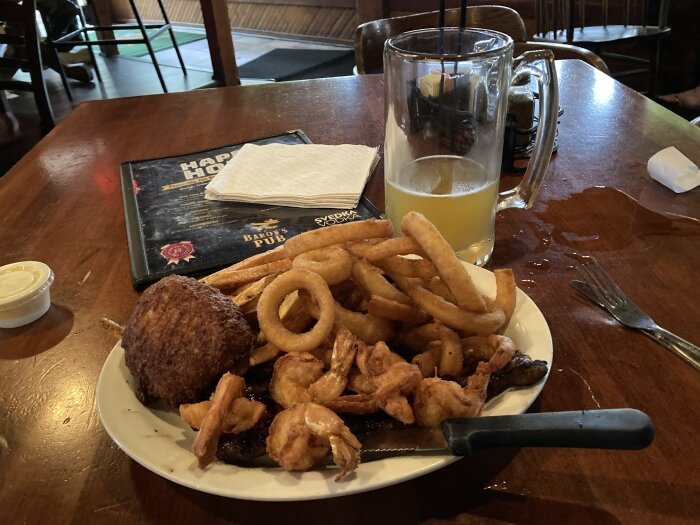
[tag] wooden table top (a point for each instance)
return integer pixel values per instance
(61, 204)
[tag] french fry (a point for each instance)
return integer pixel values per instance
(404, 267)
(370, 278)
(452, 355)
(506, 291)
(449, 267)
(229, 279)
(253, 291)
(396, 311)
(388, 248)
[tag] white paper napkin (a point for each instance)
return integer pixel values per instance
(299, 175)
(674, 170)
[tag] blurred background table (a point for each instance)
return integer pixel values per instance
(61, 204)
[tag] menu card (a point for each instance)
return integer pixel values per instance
(172, 228)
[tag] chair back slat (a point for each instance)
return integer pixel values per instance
(13, 62)
(18, 85)
(21, 32)
(597, 23)
(555, 15)
(370, 36)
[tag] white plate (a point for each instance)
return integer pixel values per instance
(160, 441)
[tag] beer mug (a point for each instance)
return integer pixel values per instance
(446, 97)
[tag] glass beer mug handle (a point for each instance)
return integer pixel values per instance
(539, 64)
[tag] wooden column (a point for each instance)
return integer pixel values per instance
(103, 16)
(218, 28)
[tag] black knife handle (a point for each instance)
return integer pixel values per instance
(617, 428)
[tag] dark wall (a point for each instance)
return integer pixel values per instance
(680, 53)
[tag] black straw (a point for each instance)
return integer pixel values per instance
(441, 48)
(463, 15)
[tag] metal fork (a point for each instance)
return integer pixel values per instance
(601, 289)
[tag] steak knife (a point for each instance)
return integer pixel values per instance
(618, 428)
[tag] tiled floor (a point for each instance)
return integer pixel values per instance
(247, 47)
(125, 76)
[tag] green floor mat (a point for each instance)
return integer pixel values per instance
(160, 43)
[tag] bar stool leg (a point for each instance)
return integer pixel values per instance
(172, 36)
(147, 41)
(62, 72)
(83, 21)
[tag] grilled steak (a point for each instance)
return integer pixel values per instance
(521, 371)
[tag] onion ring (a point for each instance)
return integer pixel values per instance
(275, 293)
(367, 327)
(332, 263)
(452, 316)
(387, 248)
(370, 328)
(449, 267)
(438, 287)
(395, 311)
(370, 278)
(337, 234)
(405, 267)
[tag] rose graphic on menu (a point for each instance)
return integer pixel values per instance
(176, 252)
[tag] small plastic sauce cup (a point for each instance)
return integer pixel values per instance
(24, 292)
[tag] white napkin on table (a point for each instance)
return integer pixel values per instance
(299, 175)
(674, 170)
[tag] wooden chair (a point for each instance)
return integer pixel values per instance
(596, 24)
(370, 36)
(23, 53)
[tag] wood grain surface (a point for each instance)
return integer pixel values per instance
(61, 204)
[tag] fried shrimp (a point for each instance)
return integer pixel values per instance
(228, 411)
(299, 378)
(302, 435)
(435, 399)
(387, 380)
(292, 375)
(243, 414)
(331, 384)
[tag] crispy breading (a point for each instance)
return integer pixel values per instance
(181, 337)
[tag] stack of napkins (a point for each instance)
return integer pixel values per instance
(299, 175)
(674, 170)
